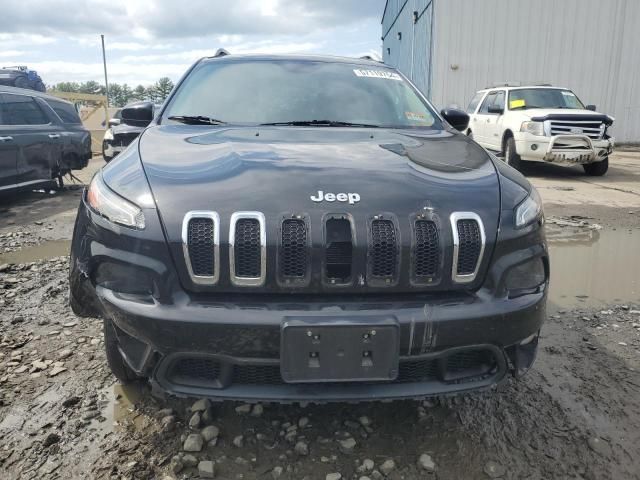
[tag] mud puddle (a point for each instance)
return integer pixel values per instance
(120, 410)
(44, 251)
(591, 267)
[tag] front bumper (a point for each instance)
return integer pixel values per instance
(110, 150)
(563, 149)
(232, 351)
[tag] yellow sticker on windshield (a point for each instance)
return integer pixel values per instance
(516, 103)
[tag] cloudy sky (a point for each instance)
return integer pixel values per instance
(148, 39)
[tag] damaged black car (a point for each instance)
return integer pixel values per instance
(302, 228)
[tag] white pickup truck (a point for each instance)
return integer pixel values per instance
(541, 123)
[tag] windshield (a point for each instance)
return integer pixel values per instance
(284, 91)
(525, 98)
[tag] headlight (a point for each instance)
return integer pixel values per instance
(534, 128)
(526, 276)
(108, 135)
(529, 210)
(112, 206)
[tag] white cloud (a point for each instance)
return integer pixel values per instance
(11, 53)
(154, 38)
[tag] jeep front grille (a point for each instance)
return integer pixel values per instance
(375, 261)
(247, 248)
(468, 245)
(592, 129)
(201, 246)
(294, 253)
(426, 251)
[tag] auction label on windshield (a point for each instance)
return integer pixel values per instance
(377, 74)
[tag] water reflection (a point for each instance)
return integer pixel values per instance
(594, 267)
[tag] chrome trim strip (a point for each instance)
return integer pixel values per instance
(202, 279)
(455, 216)
(24, 184)
(248, 281)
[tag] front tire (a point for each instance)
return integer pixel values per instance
(511, 155)
(597, 169)
(118, 366)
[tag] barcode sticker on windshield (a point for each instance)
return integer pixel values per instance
(377, 74)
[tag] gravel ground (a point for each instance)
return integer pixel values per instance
(576, 415)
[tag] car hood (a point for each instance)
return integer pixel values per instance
(277, 169)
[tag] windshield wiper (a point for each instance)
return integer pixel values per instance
(196, 120)
(320, 123)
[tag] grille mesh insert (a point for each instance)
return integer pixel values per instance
(383, 251)
(294, 254)
(427, 249)
(247, 249)
(195, 369)
(201, 246)
(470, 246)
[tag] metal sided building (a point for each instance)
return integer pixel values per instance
(451, 48)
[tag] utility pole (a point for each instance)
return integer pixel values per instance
(106, 86)
(104, 62)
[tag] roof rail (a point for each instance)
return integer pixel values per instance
(221, 52)
(519, 84)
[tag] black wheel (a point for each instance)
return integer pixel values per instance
(118, 366)
(597, 169)
(510, 155)
(39, 86)
(21, 82)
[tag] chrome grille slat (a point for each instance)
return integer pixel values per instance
(468, 246)
(593, 129)
(201, 246)
(247, 249)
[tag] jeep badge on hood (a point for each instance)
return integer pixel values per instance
(340, 197)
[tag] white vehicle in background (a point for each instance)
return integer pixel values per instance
(541, 123)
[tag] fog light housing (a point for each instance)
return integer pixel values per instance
(534, 147)
(525, 278)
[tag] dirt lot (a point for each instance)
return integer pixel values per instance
(575, 415)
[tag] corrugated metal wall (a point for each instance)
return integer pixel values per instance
(589, 46)
(411, 51)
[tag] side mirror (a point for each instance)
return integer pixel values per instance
(494, 109)
(591, 107)
(138, 114)
(114, 122)
(456, 118)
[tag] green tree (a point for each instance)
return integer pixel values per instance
(140, 93)
(72, 87)
(91, 86)
(115, 95)
(162, 88)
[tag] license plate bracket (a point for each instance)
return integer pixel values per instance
(339, 349)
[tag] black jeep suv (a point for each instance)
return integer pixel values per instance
(309, 229)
